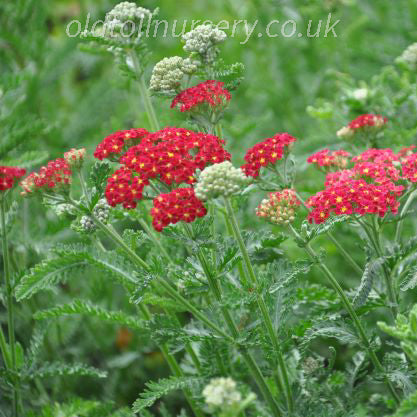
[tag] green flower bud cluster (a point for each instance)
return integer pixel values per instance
(220, 180)
(168, 74)
(86, 225)
(203, 40)
(409, 57)
(102, 210)
(64, 210)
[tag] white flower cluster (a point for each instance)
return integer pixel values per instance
(168, 74)
(220, 180)
(409, 57)
(221, 393)
(102, 210)
(203, 40)
(124, 24)
(127, 10)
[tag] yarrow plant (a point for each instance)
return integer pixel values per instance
(208, 98)
(267, 153)
(232, 296)
(365, 126)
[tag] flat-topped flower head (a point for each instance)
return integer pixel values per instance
(174, 154)
(112, 146)
(75, 158)
(267, 152)
(206, 97)
(55, 177)
(125, 21)
(202, 41)
(8, 177)
(171, 155)
(178, 205)
(365, 123)
(221, 393)
(367, 188)
(377, 155)
(327, 160)
(168, 74)
(280, 207)
(220, 180)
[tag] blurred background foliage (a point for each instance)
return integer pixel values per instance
(54, 96)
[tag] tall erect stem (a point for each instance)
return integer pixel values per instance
(404, 210)
(144, 92)
(351, 311)
(231, 325)
(266, 318)
(174, 366)
(10, 309)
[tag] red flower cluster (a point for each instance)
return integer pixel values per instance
(409, 166)
(118, 142)
(8, 175)
(55, 177)
(210, 93)
(366, 120)
(266, 152)
(377, 155)
(178, 205)
(354, 196)
(124, 188)
(171, 155)
(329, 159)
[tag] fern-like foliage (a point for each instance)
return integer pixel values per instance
(70, 258)
(88, 309)
(365, 287)
(48, 370)
(47, 274)
(156, 390)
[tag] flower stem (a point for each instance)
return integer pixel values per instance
(154, 239)
(262, 305)
(387, 276)
(150, 111)
(173, 365)
(402, 215)
(164, 253)
(83, 186)
(164, 284)
(247, 357)
(349, 308)
(10, 310)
